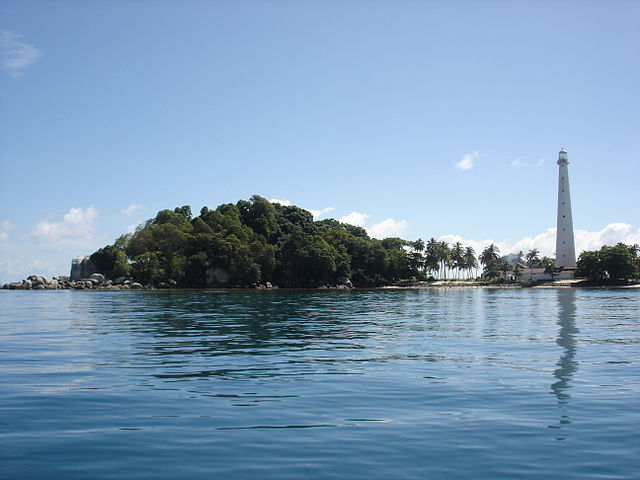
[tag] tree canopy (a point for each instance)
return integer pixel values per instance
(256, 241)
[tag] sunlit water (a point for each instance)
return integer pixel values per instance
(443, 384)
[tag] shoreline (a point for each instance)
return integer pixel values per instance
(423, 285)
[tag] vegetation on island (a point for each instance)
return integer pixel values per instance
(256, 241)
(619, 262)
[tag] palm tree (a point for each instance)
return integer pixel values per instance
(533, 260)
(431, 260)
(457, 258)
(444, 256)
(489, 254)
(470, 260)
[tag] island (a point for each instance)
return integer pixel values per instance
(261, 244)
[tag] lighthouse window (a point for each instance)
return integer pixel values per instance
(563, 216)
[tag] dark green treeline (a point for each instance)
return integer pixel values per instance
(254, 242)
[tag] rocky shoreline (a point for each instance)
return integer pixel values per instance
(97, 281)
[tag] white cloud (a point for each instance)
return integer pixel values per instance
(76, 227)
(467, 161)
(5, 226)
(388, 228)
(15, 54)
(131, 209)
(318, 213)
(355, 218)
(132, 228)
(540, 162)
(518, 162)
(545, 242)
(285, 203)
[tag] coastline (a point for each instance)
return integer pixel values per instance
(421, 285)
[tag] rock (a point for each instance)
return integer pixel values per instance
(119, 280)
(40, 286)
(173, 283)
(63, 278)
(53, 284)
(136, 285)
(163, 285)
(97, 276)
(268, 285)
(26, 284)
(345, 281)
(16, 286)
(37, 280)
(82, 267)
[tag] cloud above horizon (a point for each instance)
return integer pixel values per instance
(386, 228)
(355, 218)
(467, 162)
(77, 227)
(5, 227)
(131, 209)
(316, 213)
(545, 242)
(15, 54)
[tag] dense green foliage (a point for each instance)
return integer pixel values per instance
(255, 242)
(616, 263)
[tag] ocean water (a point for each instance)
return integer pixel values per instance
(409, 384)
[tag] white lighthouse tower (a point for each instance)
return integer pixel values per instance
(565, 247)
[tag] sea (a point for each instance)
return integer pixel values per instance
(450, 383)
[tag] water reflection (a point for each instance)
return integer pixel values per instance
(567, 364)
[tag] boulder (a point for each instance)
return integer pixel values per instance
(37, 280)
(82, 267)
(53, 284)
(119, 280)
(97, 276)
(345, 281)
(268, 285)
(136, 285)
(26, 284)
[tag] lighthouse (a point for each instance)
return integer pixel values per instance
(565, 247)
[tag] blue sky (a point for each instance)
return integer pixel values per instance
(366, 110)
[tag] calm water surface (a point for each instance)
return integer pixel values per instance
(469, 383)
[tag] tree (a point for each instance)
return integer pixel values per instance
(432, 259)
(457, 258)
(489, 254)
(550, 268)
(470, 260)
(617, 262)
(532, 260)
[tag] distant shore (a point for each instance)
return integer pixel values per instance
(40, 283)
(564, 283)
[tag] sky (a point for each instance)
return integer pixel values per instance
(416, 119)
